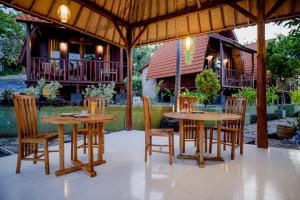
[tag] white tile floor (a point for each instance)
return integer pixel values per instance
(269, 174)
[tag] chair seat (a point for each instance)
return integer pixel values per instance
(228, 129)
(40, 138)
(162, 132)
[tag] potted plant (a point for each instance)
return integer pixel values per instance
(284, 131)
(157, 91)
(294, 107)
(102, 90)
(271, 97)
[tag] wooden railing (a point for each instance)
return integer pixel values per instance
(75, 71)
(234, 78)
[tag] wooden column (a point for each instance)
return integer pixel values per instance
(262, 132)
(222, 64)
(121, 67)
(129, 80)
(178, 74)
(28, 52)
(252, 69)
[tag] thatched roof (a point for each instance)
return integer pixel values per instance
(155, 20)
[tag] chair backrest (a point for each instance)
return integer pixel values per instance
(191, 100)
(147, 114)
(87, 102)
(237, 105)
(26, 115)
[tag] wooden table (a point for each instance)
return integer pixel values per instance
(90, 121)
(200, 118)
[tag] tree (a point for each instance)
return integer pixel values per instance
(283, 59)
(12, 37)
(142, 55)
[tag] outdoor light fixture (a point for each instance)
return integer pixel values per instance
(225, 61)
(188, 43)
(209, 58)
(99, 49)
(63, 47)
(63, 13)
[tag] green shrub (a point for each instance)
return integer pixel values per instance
(249, 93)
(295, 96)
(207, 84)
(272, 95)
(50, 90)
(188, 93)
(136, 84)
(102, 90)
(7, 95)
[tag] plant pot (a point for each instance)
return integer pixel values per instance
(281, 113)
(284, 131)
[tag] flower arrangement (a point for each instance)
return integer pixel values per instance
(49, 91)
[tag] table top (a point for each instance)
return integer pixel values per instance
(214, 116)
(76, 120)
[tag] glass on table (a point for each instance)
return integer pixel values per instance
(93, 107)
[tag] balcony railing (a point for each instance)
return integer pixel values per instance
(75, 71)
(234, 78)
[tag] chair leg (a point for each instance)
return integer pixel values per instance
(35, 149)
(183, 144)
(170, 150)
(173, 152)
(224, 140)
(241, 142)
(205, 140)
(84, 142)
(72, 140)
(210, 140)
(46, 155)
(146, 149)
(20, 153)
(233, 135)
(150, 146)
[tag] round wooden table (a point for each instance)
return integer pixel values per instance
(200, 118)
(90, 121)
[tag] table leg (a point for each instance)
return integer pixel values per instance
(181, 137)
(75, 141)
(90, 150)
(219, 140)
(61, 150)
(201, 134)
(100, 141)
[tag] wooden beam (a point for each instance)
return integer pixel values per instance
(262, 131)
(50, 8)
(222, 64)
(28, 52)
(77, 16)
(178, 74)
(94, 7)
(252, 69)
(198, 3)
(185, 11)
(139, 35)
(245, 12)
(121, 34)
(275, 7)
(129, 79)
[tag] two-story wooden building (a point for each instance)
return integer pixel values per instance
(75, 60)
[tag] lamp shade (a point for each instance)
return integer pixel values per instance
(63, 47)
(99, 49)
(63, 13)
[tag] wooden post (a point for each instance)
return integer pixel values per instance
(129, 80)
(252, 69)
(262, 132)
(178, 74)
(28, 52)
(121, 67)
(222, 65)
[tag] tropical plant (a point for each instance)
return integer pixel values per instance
(102, 90)
(136, 84)
(295, 125)
(207, 84)
(249, 93)
(50, 90)
(7, 95)
(271, 95)
(188, 93)
(295, 96)
(32, 91)
(157, 88)
(142, 55)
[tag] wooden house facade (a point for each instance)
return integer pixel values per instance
(75, 60)
(221, 52)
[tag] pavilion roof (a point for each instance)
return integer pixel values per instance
(155, 21)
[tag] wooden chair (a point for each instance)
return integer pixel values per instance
(100, 109)
(28, 135)
(150, 132)
(190, 126)
(233, 131)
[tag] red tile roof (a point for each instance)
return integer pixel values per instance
(163, 62)
(247, 58)
(29, 18)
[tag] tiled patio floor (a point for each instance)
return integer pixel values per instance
(259, 174)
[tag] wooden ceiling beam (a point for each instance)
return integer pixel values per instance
(94, 7)
(245, 12)
(121, 33)
(185, 11)
(274, 8)
(138, 36)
